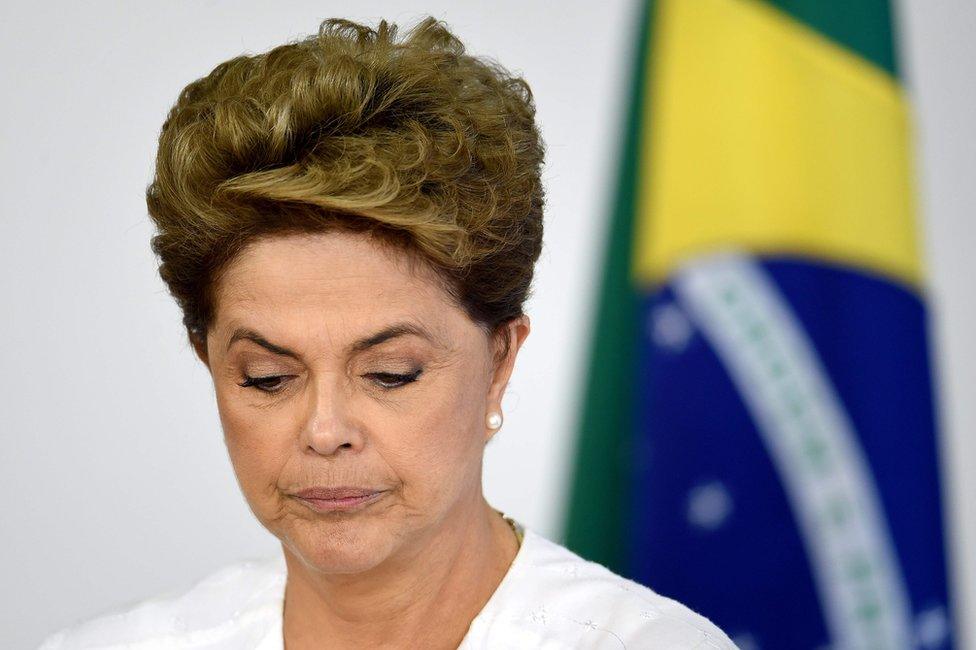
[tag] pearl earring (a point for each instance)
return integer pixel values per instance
(494, 420)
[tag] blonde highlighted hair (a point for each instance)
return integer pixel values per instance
(409, 139)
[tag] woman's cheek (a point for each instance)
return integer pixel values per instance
(442, 448)
(254, 445)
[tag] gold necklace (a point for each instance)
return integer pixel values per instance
(515, 526)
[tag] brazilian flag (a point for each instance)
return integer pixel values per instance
(758, 438)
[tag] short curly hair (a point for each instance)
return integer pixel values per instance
(409, 139)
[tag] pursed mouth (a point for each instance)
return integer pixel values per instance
(342, 503)
(335, 493)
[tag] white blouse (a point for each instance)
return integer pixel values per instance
(550, 598)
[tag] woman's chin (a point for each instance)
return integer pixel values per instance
(338, 549)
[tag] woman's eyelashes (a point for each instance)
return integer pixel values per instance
(268, 384)
(272, 384)
(391, 380)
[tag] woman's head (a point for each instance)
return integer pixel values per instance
(349, 224)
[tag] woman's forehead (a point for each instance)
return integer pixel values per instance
(339, 271)
(344, 288)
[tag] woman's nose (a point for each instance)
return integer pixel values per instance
(327, 428)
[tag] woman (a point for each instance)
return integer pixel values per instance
(349, 224)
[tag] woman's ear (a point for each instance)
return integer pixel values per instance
(506, 346)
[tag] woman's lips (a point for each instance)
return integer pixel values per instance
(338, 499)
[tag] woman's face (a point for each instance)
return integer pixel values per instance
(336, 365)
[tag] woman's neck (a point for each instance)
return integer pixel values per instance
(427, 600)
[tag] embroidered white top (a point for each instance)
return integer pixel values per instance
(550, 598)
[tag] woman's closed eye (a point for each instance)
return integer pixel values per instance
(385, 380)
(391, 380)
(267, 384)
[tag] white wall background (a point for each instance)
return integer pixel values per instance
(114, 482)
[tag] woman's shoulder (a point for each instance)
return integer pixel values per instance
(239, 601)
(554, 598)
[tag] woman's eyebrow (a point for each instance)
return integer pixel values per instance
(397, 329)
(245, 334)
(393, 331)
